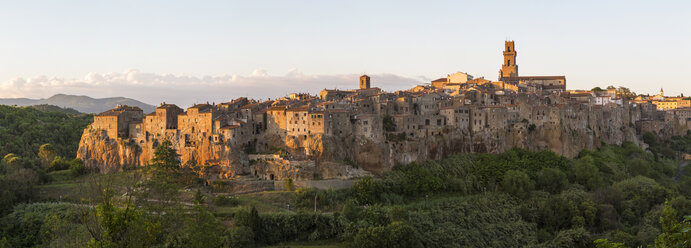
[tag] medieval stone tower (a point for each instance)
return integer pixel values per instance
(364, 82)
(509, 68)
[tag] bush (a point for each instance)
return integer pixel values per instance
(59, 163)
(517, 183)
(77, 167)
(288, 184)
(241, 236)
(226, 201)
(552, 180)
(396, 234)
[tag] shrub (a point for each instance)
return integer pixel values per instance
(288, 184)
(241, 236)
(227, 201)
(397, 234)
(517, 183)
(552, 180)
(77, 167)
(59, 163)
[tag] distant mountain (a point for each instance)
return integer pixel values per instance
(53, 108)
(82, 104)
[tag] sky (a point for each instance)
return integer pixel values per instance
(195, 51)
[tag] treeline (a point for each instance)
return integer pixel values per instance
(24, 129)
(614, 196)
(616, 193)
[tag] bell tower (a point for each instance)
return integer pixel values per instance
(509, 68)
(364, 82)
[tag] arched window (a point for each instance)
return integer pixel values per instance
(508, 62)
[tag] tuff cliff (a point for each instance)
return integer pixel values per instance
(324, 156)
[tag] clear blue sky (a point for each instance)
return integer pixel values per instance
(640, 44)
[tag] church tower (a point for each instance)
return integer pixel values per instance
(364, 82)
(509, 68)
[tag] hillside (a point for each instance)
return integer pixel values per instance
(82, 104)
(24, 129)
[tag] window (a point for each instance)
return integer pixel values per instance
(508, 62)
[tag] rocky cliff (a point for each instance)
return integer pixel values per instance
(571, 130)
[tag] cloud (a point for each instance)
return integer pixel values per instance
(187, 90)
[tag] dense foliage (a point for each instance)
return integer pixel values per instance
(614, 196)
(536, 199)
(24, 129)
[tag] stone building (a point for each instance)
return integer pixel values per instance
(509, 74)
(163, 119)
(117, 121)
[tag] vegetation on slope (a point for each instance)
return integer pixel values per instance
(615, 196)
(24, 129)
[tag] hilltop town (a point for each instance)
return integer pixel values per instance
(350, 133)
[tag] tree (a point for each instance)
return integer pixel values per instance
(160, 191)
(166, 159)
(288, 184)
(587, 174)
(388, 124)
(203, 230)
(396, 234)
(59, 163)
(350, 210)
(119, 224)
(47, 154)
(597, 89)
(604, 243)
(517, 183)
(552, 180)
(77, 167)
(674, 233)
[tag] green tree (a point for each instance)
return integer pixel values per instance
(120, 224)
(674, 232)
(59, 163)
(388, 124)
(350, 210)
(288, 184)
(11, 163)
(47, 154)
(203, 230)
(552, 180)
(77, 167)
(250, 219)
(604, 243)
(160, 191)
(587, 174)
(241, 236)
(396, 234)
(517, 183)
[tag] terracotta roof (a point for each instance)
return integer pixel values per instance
(274, 108)
(167, 106)
(119, 110)
(301, 108)
(439, 80)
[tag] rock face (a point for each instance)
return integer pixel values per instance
(356, 143)
(322, 156)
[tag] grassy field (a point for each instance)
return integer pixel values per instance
(62, 186)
